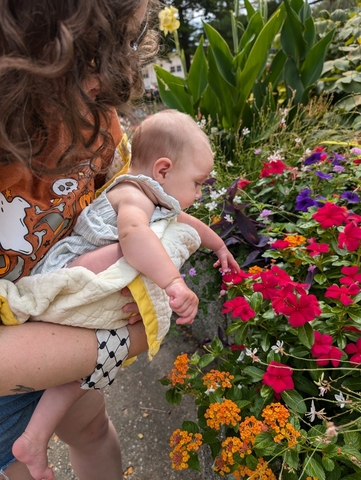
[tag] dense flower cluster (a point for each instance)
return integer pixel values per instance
(179, 372)
(183, 443)
(294, 363)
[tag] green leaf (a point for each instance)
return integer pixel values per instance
(292, 41)
(216, 346)
(294, 401)
(197, 77)
(251, 462)
(256, 301)
(291, 458)
(311, 68)
(328, 464)
(264, 444)
(172, 91)
(353, 439)
(250, 10)
(222, 54)
(241, 334)
(190, 427)
(353, 383)
(313, 468)
(193, 462)
(292, 78)
(173, 397)
(254, 372)
(306, 335)
(205, 360)
(257, 56)
(253, 29)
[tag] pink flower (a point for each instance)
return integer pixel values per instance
(332, 356)
(353, 275)
(239, 308)
(322, 344)
(317, 248)
(272, 168)
(242, 182)
(282, 277)
(235, 278)
(342, 293)
(299, 309)
(279, 377)
(280, 244)
(350, 238)
(330, 215)
(267, 286)
(354, 348)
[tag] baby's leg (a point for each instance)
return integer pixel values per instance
(31, 447)
(100, 259)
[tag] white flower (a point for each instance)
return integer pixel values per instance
(229, 163)
(213, 173)
(312, 413)
(246, 131)
(196, 205)
(211, 206)
(298, 140)
(202, 124)
(278, 348)
(214, 131)
(340, 400)
(240, 358)
(250, 352)
(308, 151)
(228, 218)
(210, 390)
(214, 195)
(237, 199)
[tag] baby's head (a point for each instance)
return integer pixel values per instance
(171, 148)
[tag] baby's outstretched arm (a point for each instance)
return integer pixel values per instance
(213, 242)
(144, 251)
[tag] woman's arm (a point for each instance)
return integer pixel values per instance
(36, 355)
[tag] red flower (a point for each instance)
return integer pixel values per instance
(267, 286)
(356, 349)
(272, 168)
(239, 308)
(236, 347)
(330, 215)
(235, 278)
(299, 309)
(322, 344)
(350, 238)
(352, 275)
(282, 277)
(242, 182)
(342, 293)
(280, 244)
(279, 377)
(317, 248)
(332, 356)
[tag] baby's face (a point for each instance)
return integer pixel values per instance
(185, 180)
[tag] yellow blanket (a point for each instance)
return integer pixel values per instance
(78, 297)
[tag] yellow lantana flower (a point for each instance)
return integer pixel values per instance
(168, 22)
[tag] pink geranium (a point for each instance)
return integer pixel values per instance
(279, 377)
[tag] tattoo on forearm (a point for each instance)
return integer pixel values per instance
(22, 389)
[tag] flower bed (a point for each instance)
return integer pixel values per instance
(282, 401)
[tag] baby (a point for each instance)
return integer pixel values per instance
(171, 159)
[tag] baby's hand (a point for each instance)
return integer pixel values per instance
(182, 301)
(226, 261)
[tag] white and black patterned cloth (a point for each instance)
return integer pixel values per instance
(113, 349)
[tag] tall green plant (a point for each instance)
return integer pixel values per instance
(230, 88)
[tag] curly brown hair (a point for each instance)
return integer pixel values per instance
(48, 49)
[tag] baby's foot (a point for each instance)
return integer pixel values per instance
(33, 454)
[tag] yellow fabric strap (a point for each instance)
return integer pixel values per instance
(124, 153)
(147, 312)
(6, 315)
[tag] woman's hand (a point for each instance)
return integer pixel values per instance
(131, 307)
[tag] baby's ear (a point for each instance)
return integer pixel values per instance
(161, 167)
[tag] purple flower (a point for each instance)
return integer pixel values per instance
(338, 169)
(265, 213)
(324, 176)
(356, 151)
(192, 272)
(336, 158)
(313, 158)
(351, 197)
